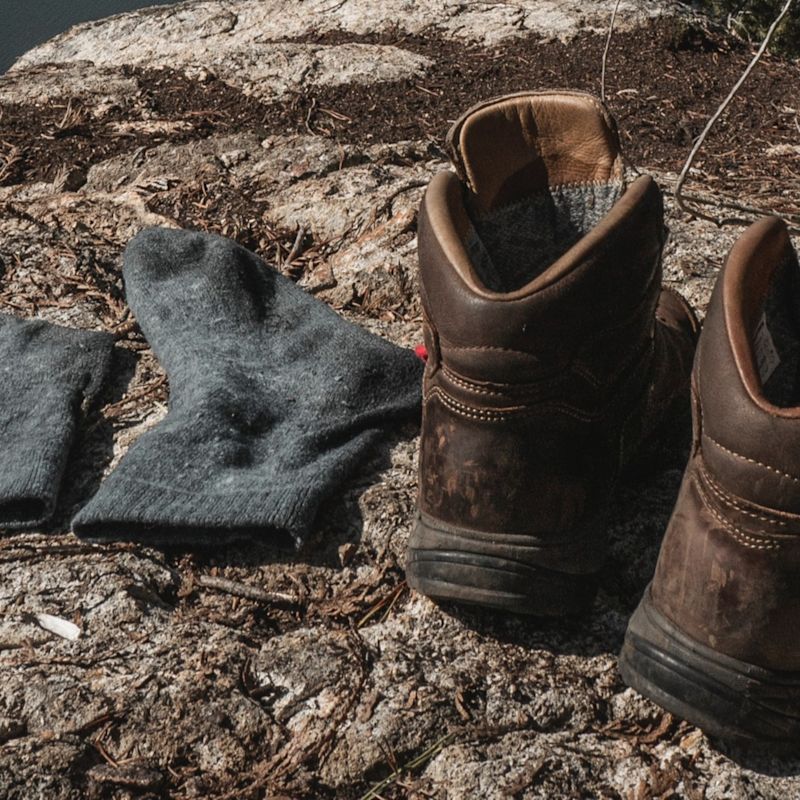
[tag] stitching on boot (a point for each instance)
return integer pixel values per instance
(729, 500)
(744, 539)
(479, 388)
(501, 414)
(521, 392)
(487, 347)
(487, 415)
(752, 460)
(470, 387)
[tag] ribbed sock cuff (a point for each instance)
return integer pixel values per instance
(49, 372)
(166, 515)
(29, 485)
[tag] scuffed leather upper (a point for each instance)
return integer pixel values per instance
(729, 569)
(534, 398)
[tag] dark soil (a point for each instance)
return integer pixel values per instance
(663, 83)
(39, 142)
(235, 211)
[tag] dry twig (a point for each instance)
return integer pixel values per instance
(73, 117)
(240, 589)
(409, 767)
(679, 197)
(296, 247)
(605, 51)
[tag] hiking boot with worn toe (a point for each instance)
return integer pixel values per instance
(553, 353)
(715, 637)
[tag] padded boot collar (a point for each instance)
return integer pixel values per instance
(749, 444)
(511, 146)
(753, 261)
(443, 207)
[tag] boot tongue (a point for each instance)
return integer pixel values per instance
(511, 147)
(541, 170)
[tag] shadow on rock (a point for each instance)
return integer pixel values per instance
(598, 633)
(93, 448)
(763, 759)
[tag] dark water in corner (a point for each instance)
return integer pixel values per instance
(26, 23)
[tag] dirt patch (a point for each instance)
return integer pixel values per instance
(61, 140)
(663, 82)
(234, 211)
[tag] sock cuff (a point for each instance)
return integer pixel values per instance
(136, 509)
(47, 372)
(29, 484)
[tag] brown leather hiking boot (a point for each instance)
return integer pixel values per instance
(553, 352)
(715, 638)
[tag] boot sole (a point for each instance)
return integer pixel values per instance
(731, 700)
(455, 564)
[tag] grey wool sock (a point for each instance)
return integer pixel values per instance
(274, 399)
(46, 374)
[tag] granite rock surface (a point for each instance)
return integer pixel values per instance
(247, 672)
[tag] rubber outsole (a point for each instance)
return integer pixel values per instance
(500, 572)
(731, 700)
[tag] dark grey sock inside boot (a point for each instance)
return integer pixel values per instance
(46, 374)
(274, 398)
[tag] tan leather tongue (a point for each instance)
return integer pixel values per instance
(511, 146)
